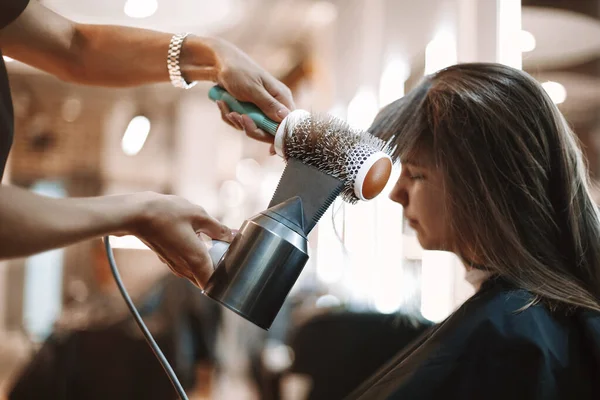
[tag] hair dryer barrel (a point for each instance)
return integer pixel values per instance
(258, 270)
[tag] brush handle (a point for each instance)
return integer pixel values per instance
(217, 93)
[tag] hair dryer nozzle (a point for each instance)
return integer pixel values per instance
(315, 188)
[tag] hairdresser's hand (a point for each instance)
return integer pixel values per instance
(247, 81)
(170, 226)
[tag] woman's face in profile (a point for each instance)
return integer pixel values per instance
(419, 190)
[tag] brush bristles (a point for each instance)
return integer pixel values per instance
(332, 146)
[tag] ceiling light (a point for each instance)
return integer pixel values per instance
(135, 135)
(556, 91)
(140, 8)
(527, 41)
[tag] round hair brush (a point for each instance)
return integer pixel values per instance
(355, 157)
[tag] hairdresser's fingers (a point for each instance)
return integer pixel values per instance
(179, 272)
(254, 131)
(195, 256)
(202, 269)
(223, 107)
(231, 118)
(184, 255)
(225, 115)
(235, 121)
(250, 128)
(173, 266)
(180, 268)
(236, 118)
(176, 267)
(272, 149)
(156, 250)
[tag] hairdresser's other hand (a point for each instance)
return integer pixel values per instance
(170, 226)
(245, 80)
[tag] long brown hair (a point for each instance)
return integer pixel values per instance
(516, 183)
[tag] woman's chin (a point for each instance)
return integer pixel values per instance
(431, 244)
(425, 245)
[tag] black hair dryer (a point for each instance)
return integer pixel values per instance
(255, 273)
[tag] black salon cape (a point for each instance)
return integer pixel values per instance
(489, 350)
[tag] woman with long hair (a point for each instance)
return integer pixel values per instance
(492, 173)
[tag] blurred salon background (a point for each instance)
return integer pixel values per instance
(368, 288)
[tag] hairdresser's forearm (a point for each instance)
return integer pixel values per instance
(103, 55)
(124, 56)
(30, 223)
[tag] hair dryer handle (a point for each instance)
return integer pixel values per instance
(217, 251)
(217, 93)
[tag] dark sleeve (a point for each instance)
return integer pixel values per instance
(491, 366)
(10, 10)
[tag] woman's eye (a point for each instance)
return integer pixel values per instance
(415, 177)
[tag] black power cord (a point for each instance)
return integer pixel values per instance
(138, 319)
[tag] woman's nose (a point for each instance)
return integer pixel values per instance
(399, 194)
